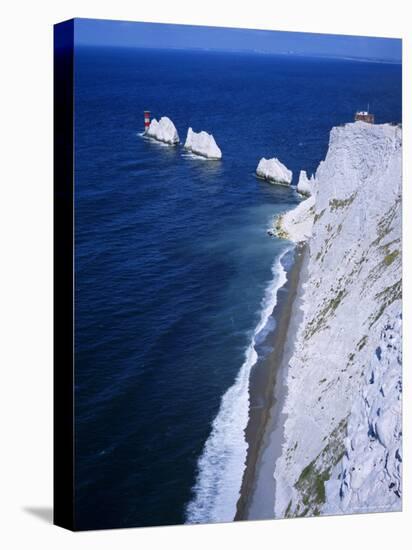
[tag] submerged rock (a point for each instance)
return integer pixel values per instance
(163, 130)
(203, 144)
(274, 171)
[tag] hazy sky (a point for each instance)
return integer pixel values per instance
(155, 35)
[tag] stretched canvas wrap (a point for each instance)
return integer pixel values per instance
(228, 318)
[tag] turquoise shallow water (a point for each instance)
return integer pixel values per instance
(172, 255)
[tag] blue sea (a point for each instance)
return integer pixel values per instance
(176, 277)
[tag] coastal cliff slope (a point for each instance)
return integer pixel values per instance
(342, 441)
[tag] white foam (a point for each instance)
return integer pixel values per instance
(190, 155)
(222, 463)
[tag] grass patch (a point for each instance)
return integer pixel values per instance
(311, 482)
(384, 226)
(336, 204)
(387, 297)
(318, 215)
(362, 342)
(319, 321)
(390, 258)
(287, 511)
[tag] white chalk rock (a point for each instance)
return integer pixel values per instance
(164, 131)
(203, 144)
(274, 171)
(305, 185)
(296, 224)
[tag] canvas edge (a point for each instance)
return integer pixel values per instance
(63, 264)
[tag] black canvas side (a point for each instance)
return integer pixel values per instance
(63, 275)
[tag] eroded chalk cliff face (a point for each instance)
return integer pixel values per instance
(342, 437)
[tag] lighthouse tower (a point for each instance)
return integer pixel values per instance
(146, 120)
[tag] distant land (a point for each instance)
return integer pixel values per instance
(95, 32)
(325, 57)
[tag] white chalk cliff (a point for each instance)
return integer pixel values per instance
(163, 130)
(274, 171)
(296, 225)
(305, 185)
(203, 144)
(342, 448)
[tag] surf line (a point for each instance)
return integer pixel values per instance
(222, 462)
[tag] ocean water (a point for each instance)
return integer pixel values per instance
(176, 277)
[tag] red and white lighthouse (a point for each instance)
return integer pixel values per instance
(146, 120)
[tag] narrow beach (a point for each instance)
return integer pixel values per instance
(264, 431)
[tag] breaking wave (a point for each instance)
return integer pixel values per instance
(222, 463)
